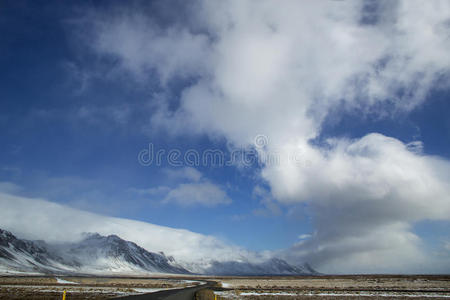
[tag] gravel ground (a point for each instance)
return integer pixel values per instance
(336, 287)
(40, 288)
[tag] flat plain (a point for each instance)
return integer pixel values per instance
(337, 287)
(50, 287)
(289, 287)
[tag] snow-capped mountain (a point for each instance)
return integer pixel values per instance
(105, 255)
(95, 254)
(26, 256)
(111, 253)
(272, 266)
(247, 267)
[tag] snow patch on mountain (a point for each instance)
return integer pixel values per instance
(100, 255)
(95, 254)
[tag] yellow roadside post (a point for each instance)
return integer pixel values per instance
(64, 295)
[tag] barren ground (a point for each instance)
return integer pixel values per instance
(300, 287)
(336, 287)
(22, 287)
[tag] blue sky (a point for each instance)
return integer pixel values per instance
(75, 112)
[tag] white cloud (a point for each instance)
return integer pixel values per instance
(192, 189)
(156, 191)
(186, 173)
(304, 236)
(364, 196)
(9, 187)
(268, 203)
(447, 246)
(203, 193)
(278, 70)
(386, 249)
(145, 47)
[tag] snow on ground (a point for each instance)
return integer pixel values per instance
(151, 290)
(267, 294)
(375, 294)
(227, 294)
(238, 295)
(62, 281)
(191, 283)
(82, 289)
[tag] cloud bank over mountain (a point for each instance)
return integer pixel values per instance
(38, 219)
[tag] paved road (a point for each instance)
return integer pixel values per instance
(175, 294)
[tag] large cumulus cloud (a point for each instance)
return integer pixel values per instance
(365, 195)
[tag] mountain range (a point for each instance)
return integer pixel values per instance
(111, 255)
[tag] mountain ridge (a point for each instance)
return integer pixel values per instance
(97, 254)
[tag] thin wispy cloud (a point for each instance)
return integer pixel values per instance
(191, 189)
